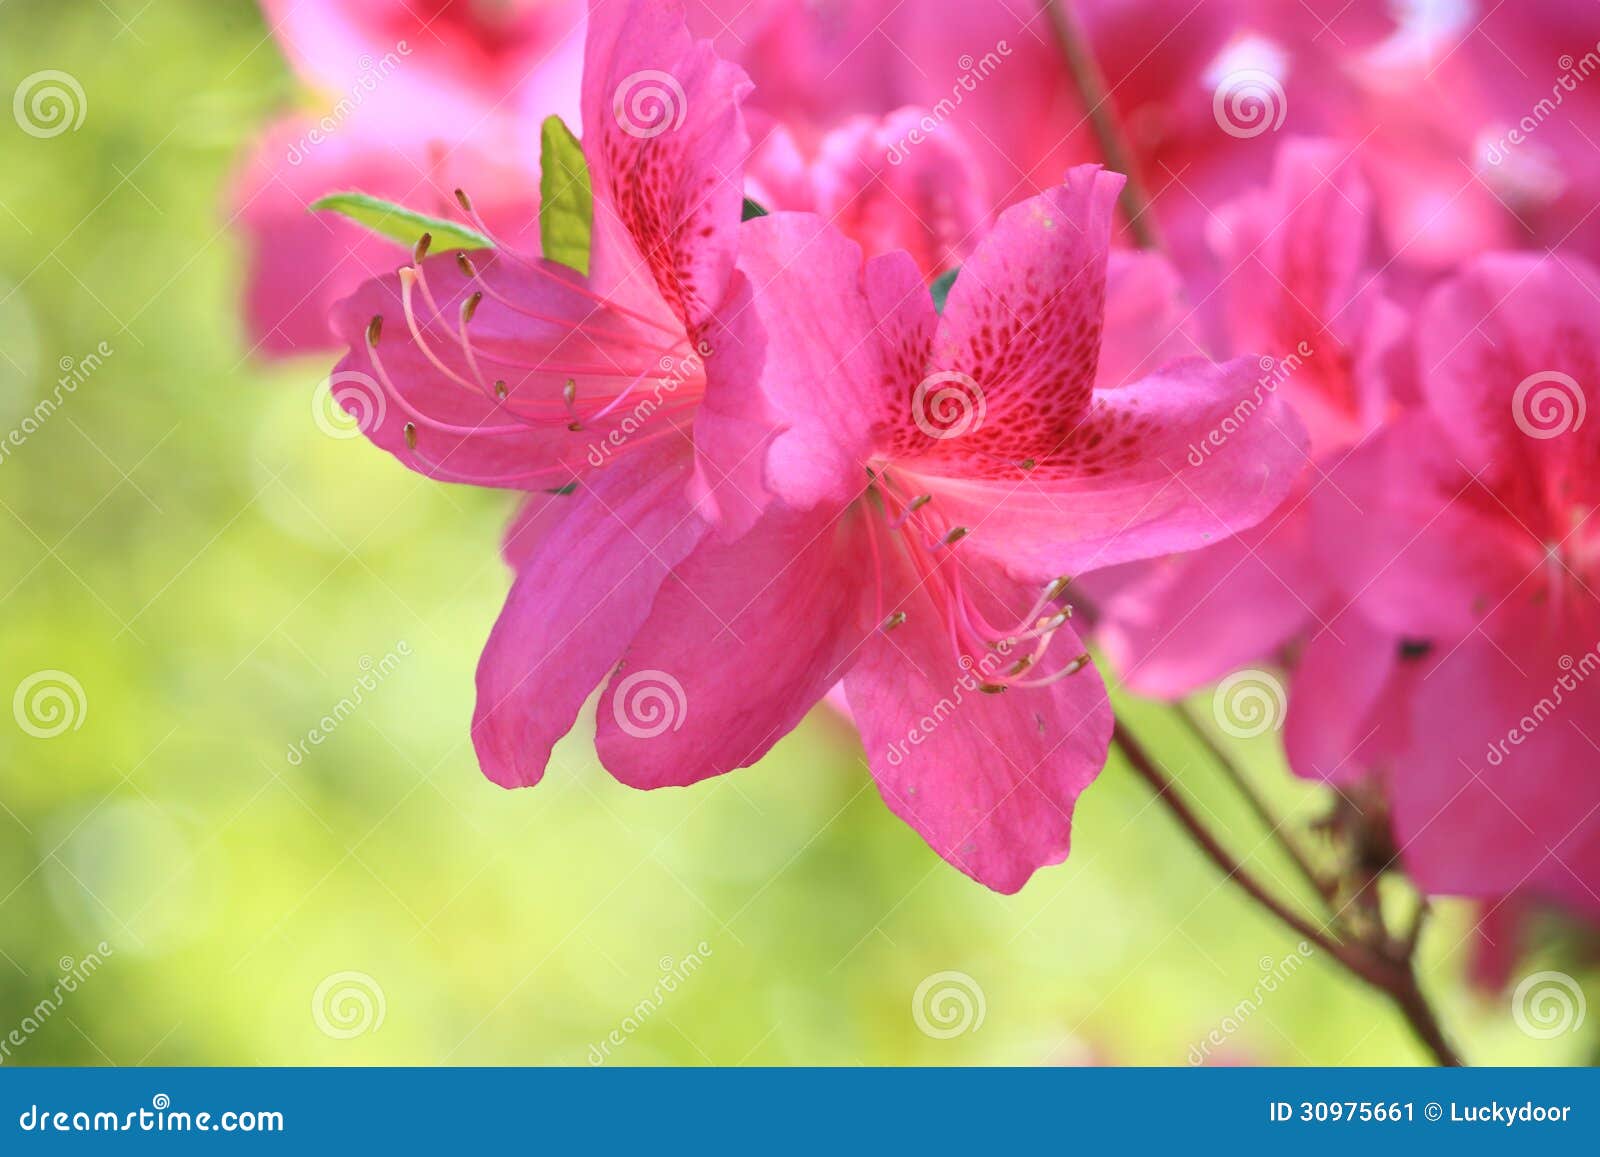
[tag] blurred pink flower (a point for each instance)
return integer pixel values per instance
(1473, 529)
(1298, 293)
(419, 98)
(939, 476)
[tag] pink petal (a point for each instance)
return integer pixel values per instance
(1176, 624)
(742, 642)
(1348, 702)
(1147, 323)
(989, 781)
(1184, 458)
(666, 146)
(580, 594)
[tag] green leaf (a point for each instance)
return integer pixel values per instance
(940, 289)
(752, 210)
(566, 198)
(399, 223)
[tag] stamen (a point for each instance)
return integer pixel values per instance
(420, 250)
(893, 621)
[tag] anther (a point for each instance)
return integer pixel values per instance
(420, 250)
(1057, 588)
(991, 688)
(1027, 463)
(465, 264)
(501, 389)
(569, 395)
(463, 200)
(893, 621)
(470, 307)
(411, 435)
(956, 534)
(374, 331)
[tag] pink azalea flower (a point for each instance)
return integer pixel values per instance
(1299, 293)
(417, 96)
(1477, 535)
(887, 182)
(497, 369)
(940, 478)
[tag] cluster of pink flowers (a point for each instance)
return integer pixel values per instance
(1328, 442)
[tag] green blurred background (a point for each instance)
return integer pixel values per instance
(216, 573)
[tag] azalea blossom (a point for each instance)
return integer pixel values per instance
(496, 368)
(941, 479)
(1475, 538)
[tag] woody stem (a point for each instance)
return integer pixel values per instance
(1091, 85)
(1395, 977)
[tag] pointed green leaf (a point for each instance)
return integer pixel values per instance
(940, 289)
(399, 223)
(752, 210)
(566, 199)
